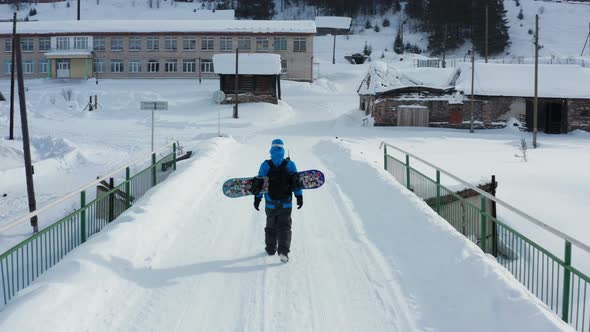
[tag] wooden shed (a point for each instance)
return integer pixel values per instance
(259, 77)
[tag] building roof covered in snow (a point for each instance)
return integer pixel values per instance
(155, 26)
(511, 80)
(249, 64)
(333, 22)
(383, 77)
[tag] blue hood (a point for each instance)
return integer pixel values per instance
(277, 152)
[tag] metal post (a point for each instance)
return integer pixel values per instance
(153, 111)
(78, 10)
(437, 191)
(566, 282)
(334, 50)
(199, 70)
(472, 89)
(174, 156)
(493, 214)
(484, 220)
(11, 125)
(153, 170)
(83, 216)
(111, 199)
(408, 172)
(237, 85)
(385, 156)
(128, 187)
(25, 133)
(536, 102)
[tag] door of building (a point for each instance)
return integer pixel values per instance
(63, 68)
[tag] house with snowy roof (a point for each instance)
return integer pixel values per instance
(259, 77)
(501, 92)
(333, 25)
(153, 48)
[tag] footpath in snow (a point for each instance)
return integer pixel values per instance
(366, 256)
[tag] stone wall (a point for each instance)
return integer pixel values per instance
(578, 114)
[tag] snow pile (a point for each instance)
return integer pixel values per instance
(333, 22)
(171, 26)
(555, 81)
(248, 64)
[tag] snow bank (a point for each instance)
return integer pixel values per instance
(249, 64)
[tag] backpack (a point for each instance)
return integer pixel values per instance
(279, 181)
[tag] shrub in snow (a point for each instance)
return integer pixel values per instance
(368, 49)
(517, 3)
(376, 28)
(531, 31)
(386, 23)
(52, 100)
(33, 12)
(520, 14)
(523, 150)
(67, 4)
(541, 10)
(67, 94)
(383, 55)
(368, 25)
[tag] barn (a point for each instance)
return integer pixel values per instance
(259, 77)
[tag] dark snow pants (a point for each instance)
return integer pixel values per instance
(278, 230)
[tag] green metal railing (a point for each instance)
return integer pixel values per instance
(563, 288)
(26, 261)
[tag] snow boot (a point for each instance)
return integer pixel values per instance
(270, 252)
(284, 258)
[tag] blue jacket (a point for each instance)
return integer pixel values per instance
(278, 156)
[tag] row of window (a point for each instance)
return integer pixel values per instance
(29, 66)
(207, 44)
(154, 66)
(153, 44)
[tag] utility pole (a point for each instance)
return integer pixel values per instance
(536, 103)
(78, 10)
(487, 30)
(25, 133)
(11, 125)
(444, 59)
(472, 88)
(237, 84)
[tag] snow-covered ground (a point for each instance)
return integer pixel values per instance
(367, 254)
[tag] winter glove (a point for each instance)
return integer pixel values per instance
(299, 202)
(257, 201)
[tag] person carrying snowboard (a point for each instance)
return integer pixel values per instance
(283, 183)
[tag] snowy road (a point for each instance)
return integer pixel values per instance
(187, 258)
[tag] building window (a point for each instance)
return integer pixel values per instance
(116, 66)
(98, 66)
(225, 44)
(116, 44)
(99, 43)
(283, 66)
(153, 66)
(134, 66)
(81, 43)
(63, 43)
(153, 44)
(244, 43)
(207, 44)
(44, 44)
(43, 66)
(170, 43)
(262, 43)
(134, 43)
(8, 66)
(280, 43)
(207, 66)
(170, 66)
(28, 67)
(189, 44)
(8, 45)
(27, 44)
(299, 44)
(189, 66)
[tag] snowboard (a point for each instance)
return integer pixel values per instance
(239, 187)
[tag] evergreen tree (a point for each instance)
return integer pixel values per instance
(398, 44)
(223, 4)
(498, 37)
(397, 6)
(415, 8)
(256, 9)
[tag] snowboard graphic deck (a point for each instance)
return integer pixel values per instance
(240, 187)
